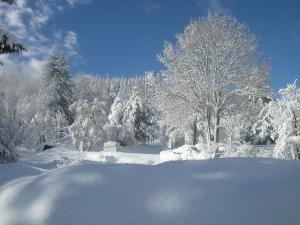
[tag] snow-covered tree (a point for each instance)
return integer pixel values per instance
(7, 137)
(19, 100)
(8, 1)
(55, 97)
(116, 115)
(87, 131)
(138, 119)
(213, 61)
(283, 116)
(131, 121)
(114, 127)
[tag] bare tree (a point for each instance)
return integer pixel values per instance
(213, 61)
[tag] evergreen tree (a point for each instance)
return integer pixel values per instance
(8, 1)
(116, 115)
(115, 121)
(87, 131)
(138, 119)
(55, 98)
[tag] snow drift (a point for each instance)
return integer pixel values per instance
(203, 151)
(231, 191)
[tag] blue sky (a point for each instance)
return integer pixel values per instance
(123, 37)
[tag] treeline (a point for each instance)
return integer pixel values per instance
(90, 109)
(214, 89)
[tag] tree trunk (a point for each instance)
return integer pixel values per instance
(217, 130)
(195, 132)
(208, 121)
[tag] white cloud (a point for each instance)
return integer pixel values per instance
(70, 42)
(32, 67)
(25, 20)
(13, 18)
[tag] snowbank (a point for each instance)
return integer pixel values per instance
(235, 191)
(185, 152)
(203, 151)
(65, 155)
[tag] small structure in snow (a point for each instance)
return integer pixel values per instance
(111, 146)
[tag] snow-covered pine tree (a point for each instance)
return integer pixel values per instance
(138, 120)
(113, 127)
(116, 115)
(8, 1)
(53, 116)
(87, 131)
(8, 43)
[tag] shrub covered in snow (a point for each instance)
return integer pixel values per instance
(203, 151)
(189, 152)
(87, 130)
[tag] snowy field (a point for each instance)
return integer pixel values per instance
(66, 187)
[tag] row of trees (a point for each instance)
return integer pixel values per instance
(214, 89)
(8, 45)
(92, 110)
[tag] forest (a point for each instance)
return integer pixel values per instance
(214, 90)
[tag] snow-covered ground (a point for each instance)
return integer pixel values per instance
(62, 186)
(66, 154)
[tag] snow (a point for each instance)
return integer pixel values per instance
(13, 171)
(185, 152)
(231, 191)
(294, 140)
(203, 151)
(66, 155)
